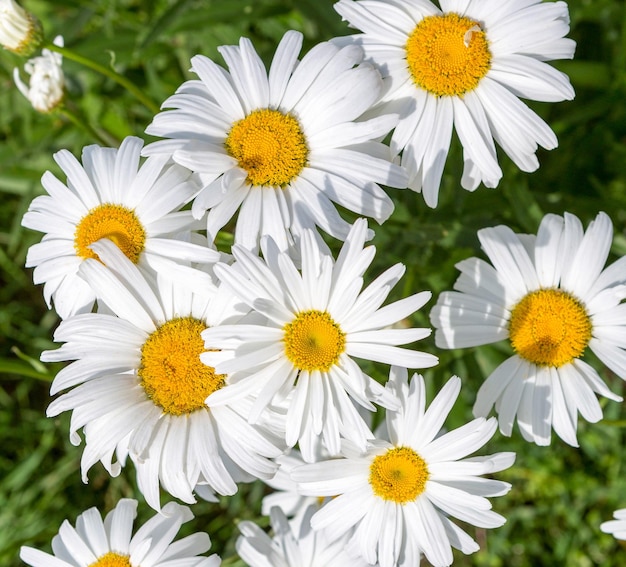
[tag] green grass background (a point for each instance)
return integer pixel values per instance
(560, 494)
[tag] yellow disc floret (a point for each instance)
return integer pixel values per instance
(115, 222)
(269, 146)
(549, 327)
(398, 475)
(112, 559)
(171, 371)
(447, 55)
(313, 341)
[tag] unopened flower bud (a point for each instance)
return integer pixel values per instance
(46, 87)
(20, 31)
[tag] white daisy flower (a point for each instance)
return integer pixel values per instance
(111, 196)
(401, 494)
(319, 319)
(464, 67)
(284, 147)
(617, 527)
(138, 385)
(550, 297)
(294, 544)
(46, 86)
(20, 31)
(285, 495)
(112, 544)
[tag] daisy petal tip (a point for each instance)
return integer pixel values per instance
(508, 459)
(453, 387)
(543, 441)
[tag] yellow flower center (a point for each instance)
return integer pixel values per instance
(447, 55)
(115, 222)
(270, 146)
(549, 327)
(112, 559)
(313, 341)
(171, 371)
(398, 475)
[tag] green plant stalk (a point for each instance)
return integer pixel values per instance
(107, 72)
(14, 368)
(83, 125)
(231, 561)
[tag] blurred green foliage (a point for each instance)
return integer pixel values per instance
(560, 494)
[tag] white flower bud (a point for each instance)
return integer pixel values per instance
(46, 87)
(20, 31)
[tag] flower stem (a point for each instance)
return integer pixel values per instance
(25, 366)
(107, 72)
(104, 139)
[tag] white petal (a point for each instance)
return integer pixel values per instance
(248, 74)
(216, 81)
(284, 62)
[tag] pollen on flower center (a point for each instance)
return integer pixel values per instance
(114, 222)
(549, 327)
(171, 371)
(313, 341)
(398, 475)
(112, 559)
(447, 55)
(270, 146)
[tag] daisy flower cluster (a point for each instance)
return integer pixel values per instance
(207, 367)
(111, 543)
